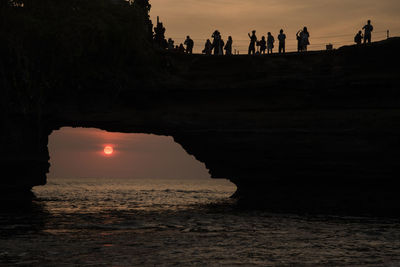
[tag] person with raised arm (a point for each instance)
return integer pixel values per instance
(253, 42)
(299, 43)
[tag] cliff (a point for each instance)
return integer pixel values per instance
(318, 130)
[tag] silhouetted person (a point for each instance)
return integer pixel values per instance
(170, 44)
(299, 43)
(218, 43)
(270, 42)
(228, 46)
(253, 42)
(208, 47)
(367, 32)
(263, 45)
(305, 39)
(282, 41)
(358, 38)
(189, 45)
(181, 49)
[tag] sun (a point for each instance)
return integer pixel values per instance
(108, 150)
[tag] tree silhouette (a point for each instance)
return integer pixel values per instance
(144, 6)
(54, 47)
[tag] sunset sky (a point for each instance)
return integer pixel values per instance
(79, 153)
(334, 21)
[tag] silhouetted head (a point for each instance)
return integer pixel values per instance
(281, 31)
(305, 29)
(269, 33)
(359, 32)
(188, 37)
(263, 38)
(369, 21)
(230, 38)
(254, 31)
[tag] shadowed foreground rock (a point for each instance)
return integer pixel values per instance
(318, 131)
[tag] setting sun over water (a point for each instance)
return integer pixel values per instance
(108, 150)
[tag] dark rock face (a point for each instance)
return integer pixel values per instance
(293, 132)
(24, 158)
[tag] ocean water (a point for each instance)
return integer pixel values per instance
(120, 222)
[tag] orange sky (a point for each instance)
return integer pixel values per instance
(78, 153)
(334, 21)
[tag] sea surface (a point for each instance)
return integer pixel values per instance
(123, 222)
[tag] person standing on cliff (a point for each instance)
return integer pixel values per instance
(299, 43)
(367, 32)
(270, 43)
(208, 47)
(189, 45)
(253, 42)
(228, 46)
(263, 45)
(181, 49)
(218, 43)
(282, 41)
(305, 39)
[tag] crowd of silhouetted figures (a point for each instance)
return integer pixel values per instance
(265, 45)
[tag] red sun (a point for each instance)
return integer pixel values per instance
(108, 150)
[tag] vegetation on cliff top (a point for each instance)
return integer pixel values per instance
(52, 46)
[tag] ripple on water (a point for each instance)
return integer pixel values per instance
(132, 223)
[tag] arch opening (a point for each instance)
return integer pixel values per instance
(144, 170)
(93, 153)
